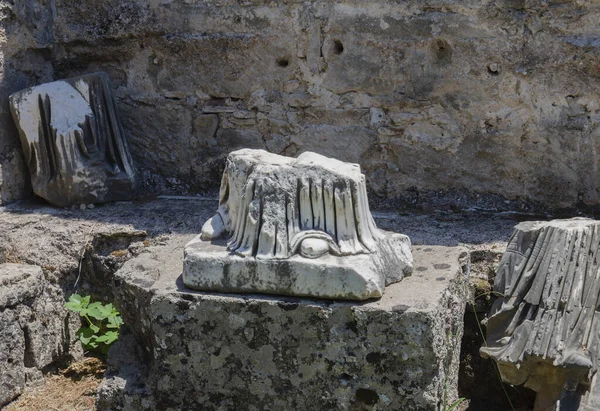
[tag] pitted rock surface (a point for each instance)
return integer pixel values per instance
(215, 350)
(35, 329)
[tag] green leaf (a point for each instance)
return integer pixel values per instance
(114, 321)
(73, 306)
(108, 338)
(86, 331)
(94, 310)
(86, 335)
(93, 344)
(106, 310)
(103, 316)
(74, 303)
(75, 297)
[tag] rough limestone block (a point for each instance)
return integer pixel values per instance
(73, 141)
(18, 283)
(35, 329)
(214, 351)
(544, 330)
(295, 226)
(12, 354)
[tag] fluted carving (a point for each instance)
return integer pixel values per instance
(73, 141)
(544, 329)
(307, 219)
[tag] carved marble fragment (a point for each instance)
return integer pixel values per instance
(294, 226)
(73, 141)
(544, 330)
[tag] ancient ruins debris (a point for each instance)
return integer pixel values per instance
(295, 226)
(544, 332)
(73, 141)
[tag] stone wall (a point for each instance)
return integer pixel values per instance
(485, 96)
(25, 42)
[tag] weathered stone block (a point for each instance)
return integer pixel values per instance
(35, 329)
(212, 351)
(294, 226)
(19, 284)
(210, 266)
(12, 353)
(543, 329)
(73, 141)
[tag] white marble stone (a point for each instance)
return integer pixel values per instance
(73, 141)
(543, 329)
(295, 226)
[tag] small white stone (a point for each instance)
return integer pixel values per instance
(90, 206)
(218, 109)
(313, 247)
(384, 131)
(176, 95)
(377, 116)
(213, 228)
(243, 114)
(82, 207)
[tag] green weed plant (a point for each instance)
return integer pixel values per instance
(103, 323)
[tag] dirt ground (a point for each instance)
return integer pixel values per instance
(73, 388)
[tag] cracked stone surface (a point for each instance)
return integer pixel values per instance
(154, 233)
(35, 330)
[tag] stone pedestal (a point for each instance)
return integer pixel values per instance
(214, 351)
(209, 266)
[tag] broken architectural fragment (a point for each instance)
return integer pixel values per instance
(294, 226)
(543, 331)
(73, 141)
